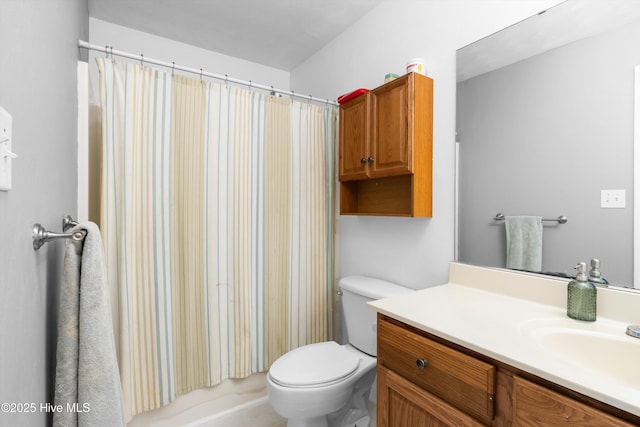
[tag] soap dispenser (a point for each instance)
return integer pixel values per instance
(595, 276)
(581, 296)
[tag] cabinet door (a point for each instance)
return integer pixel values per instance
(391, 132)
(403, 404)
(534, 405)
(354, 138)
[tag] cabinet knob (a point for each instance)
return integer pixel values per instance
(422, 363)
(363, 160)
(369, 160)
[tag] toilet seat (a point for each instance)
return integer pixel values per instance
(314, 365)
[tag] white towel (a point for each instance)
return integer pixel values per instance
(87, 385)
(524, 242)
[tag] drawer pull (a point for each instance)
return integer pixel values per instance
(422, 363)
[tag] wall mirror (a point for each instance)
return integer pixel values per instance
(545, 123)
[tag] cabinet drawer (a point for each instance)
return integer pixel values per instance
(457, 378)
(535, 405)
(403, 404)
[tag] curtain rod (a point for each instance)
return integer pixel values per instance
(109, 50)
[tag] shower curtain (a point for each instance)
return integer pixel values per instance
(217, 218)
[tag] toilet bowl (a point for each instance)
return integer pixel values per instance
(328, 384)
(329, 374)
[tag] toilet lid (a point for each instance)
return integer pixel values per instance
(314, 364)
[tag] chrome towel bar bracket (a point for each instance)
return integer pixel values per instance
(561, 219)
(42, 236)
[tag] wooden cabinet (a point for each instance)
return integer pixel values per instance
(354, 139)
(535, 405)
(385, 154)
(456, 383)
(403, 404)
(425, 381)
(392, 121)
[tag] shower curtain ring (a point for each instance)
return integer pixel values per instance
(106, 52)
(200, 73)
(111, 47)
(173, 68)
(226, 80)
(141, 60)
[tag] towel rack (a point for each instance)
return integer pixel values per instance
(42, 236)
(561, 219)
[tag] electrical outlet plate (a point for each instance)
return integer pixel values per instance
(6, 153)
(613, 199)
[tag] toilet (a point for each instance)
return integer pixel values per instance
(328, 384)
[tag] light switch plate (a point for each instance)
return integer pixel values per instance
(612, 199)
(6, 153)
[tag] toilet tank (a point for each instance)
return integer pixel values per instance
(360, 320)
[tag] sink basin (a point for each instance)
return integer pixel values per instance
(601, 348)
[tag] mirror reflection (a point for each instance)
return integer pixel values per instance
(545, 126)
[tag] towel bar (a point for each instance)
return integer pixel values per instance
(561, 219)
(42, 236)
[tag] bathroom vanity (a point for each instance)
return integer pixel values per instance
(495, 348)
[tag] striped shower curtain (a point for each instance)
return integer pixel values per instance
(217, 220)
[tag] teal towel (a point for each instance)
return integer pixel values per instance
(87, 384)
(524, 242)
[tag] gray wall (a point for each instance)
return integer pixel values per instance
(543, 137)
(38, 54)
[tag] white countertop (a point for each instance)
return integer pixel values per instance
(496, 312)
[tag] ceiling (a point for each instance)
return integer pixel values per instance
(561, 24)
(277, 33)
